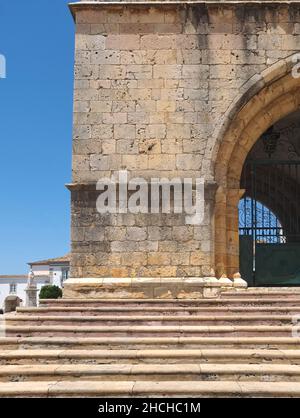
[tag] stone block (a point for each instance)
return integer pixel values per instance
(105, 57)
(165, 106)
(158, 42)
(139, 72)
(168, 246)
(160, 162)
(102, 131)
(188, 162)
(138, 117)
(115, 233)
(135, 162)
(126, 131)
(159, 259)
(182, 233)
(198, 258)
(81, 132)
(122, 42)
(105, 162)
(123, 246)
(155, 131)
(95, 233)
(80, 162)
(167, 71)
(114, 118)
(112, 72)
(90, 42)
(178, 131)
(101, 106)
(126, 146)
(134, 259)
(180, 259)
(108, 146)
(156, 233)
(136, 234)
(195, 71)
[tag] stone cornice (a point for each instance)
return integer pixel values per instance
(210, 187)
(81, 186)
(81, 5)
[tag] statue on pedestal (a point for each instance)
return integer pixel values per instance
(31, 291)
(30, 282)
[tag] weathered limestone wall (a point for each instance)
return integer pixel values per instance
(152, 84)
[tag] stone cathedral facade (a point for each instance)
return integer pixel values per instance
(179, 89)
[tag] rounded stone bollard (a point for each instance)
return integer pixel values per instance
(11, 303)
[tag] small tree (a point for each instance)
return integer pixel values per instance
(50, 292)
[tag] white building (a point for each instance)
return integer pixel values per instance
(53, 271)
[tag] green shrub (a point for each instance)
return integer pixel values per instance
(50, 292)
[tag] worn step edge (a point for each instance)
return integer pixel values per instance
(164, 318)
(134, 388)
(267, 289)
(188, 302)
(148, 329)
(151, 353)
(111, 341)
(258, 293)
(86, 309)
(148, 369)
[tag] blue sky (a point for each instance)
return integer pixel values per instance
(37, 39)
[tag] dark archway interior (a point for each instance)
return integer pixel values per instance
(271, 174)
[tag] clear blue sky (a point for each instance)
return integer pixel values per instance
(37, 39)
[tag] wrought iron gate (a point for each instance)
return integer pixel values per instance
(269, 223)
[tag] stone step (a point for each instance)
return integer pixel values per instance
(258, 294)
(151, 372)
(269, 289)
(19, 320)
(148, 343)
(139, 330)
(187, 311)
(108, 347)
(241, 302)
(185, 389)
(152, 356)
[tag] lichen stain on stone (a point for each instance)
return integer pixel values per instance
(197, 16)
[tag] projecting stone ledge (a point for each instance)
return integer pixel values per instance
(180, 1)
(144, 288)
(79, 5)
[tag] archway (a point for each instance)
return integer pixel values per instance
(269, 213)
(270, 97)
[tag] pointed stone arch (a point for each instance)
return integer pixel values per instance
(266, 99)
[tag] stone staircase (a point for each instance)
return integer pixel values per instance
(242, 344)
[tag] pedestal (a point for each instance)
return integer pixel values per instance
(144, 288)
(31, 297)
